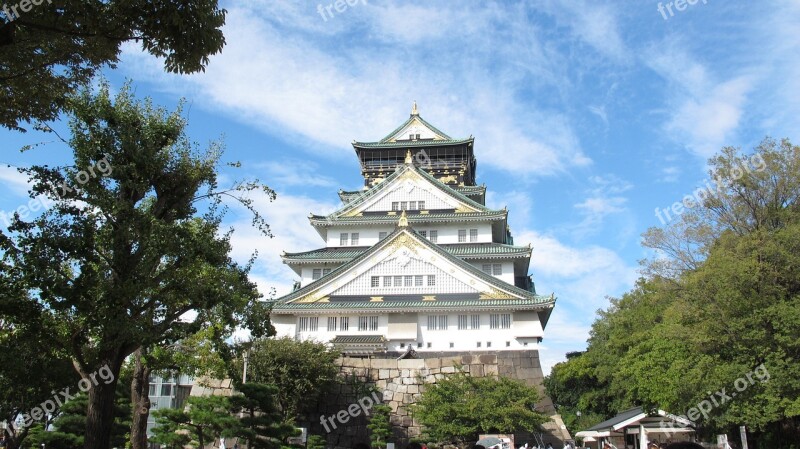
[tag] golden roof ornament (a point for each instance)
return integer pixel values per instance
(409, 159)
(414, 108)
(403, 221)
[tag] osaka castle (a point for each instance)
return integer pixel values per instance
(414, 262)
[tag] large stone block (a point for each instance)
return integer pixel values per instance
(476, 370)
(383, 373)
(448, 369)
(488, 359)
(433, 363)
(411, 363)
(490, 370)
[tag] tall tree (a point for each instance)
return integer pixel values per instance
(48, 49)
(124, 254)
(380, 428)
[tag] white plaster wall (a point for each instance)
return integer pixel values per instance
(507, 268)
(439, 340)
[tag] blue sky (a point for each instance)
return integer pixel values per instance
(587, 116)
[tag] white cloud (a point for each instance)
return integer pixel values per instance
(288, 220)
(14, 181)
(298, 87)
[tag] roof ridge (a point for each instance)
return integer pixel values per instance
(409, 120)
(469, 268)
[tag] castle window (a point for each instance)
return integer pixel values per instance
(479, 344)
(381, 235)
(476, 321)
(398, 281)
(488, 344)
(368, 323)
(418, 281)
(500, 321)
(308, 323)
(387, 281)
(437, 322)
(412, 205)
(331, 323)
(403, 205)
(326, 271)
(451, 344)
(421, 205)
(375, 281)
(316, 273)
(395, 205)
(434, 235)
(508, 344)
(495, 269)
(343, 239)
(424, 233)
(429, 344)
(354, 239)
(462, 235)
(473, 235)
(469, 322)
(431, 281)
(408, 281)
(344, 323)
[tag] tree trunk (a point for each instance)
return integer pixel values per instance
(15, 436)
(140, 400)
(100, 412)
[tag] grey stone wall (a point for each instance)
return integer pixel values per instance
(402, 381)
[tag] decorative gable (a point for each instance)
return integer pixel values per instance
(396, 266)
(410, 185)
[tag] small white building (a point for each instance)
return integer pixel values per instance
(415, 259)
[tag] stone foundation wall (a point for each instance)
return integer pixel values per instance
(402, 381)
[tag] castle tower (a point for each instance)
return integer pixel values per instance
(416, 265)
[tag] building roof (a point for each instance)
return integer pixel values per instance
(349, 195)
(412, 143)
(506, 295)
(461, 250)
(405, 171)
(358, 339)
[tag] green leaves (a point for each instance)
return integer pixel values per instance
(455, 409)
(722, 299)
(57, 47)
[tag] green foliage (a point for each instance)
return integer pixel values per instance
(302, 371)
(251, 415)
(206, 418)
(380, 429)
(316, 442)
(123, 254)
(456, 409)
(261, 424)
(70, 424)
(57, 47)
(719, 310)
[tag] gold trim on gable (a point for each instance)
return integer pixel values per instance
(376, 299)
(429, 298)
(494, 293)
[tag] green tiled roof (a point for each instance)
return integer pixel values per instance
(468, 251)
(526, 296)
(533, 303)
(322, 220)
(410, 119)
(470, 190)
(358, 339)
(375, 190)
(412, 143)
